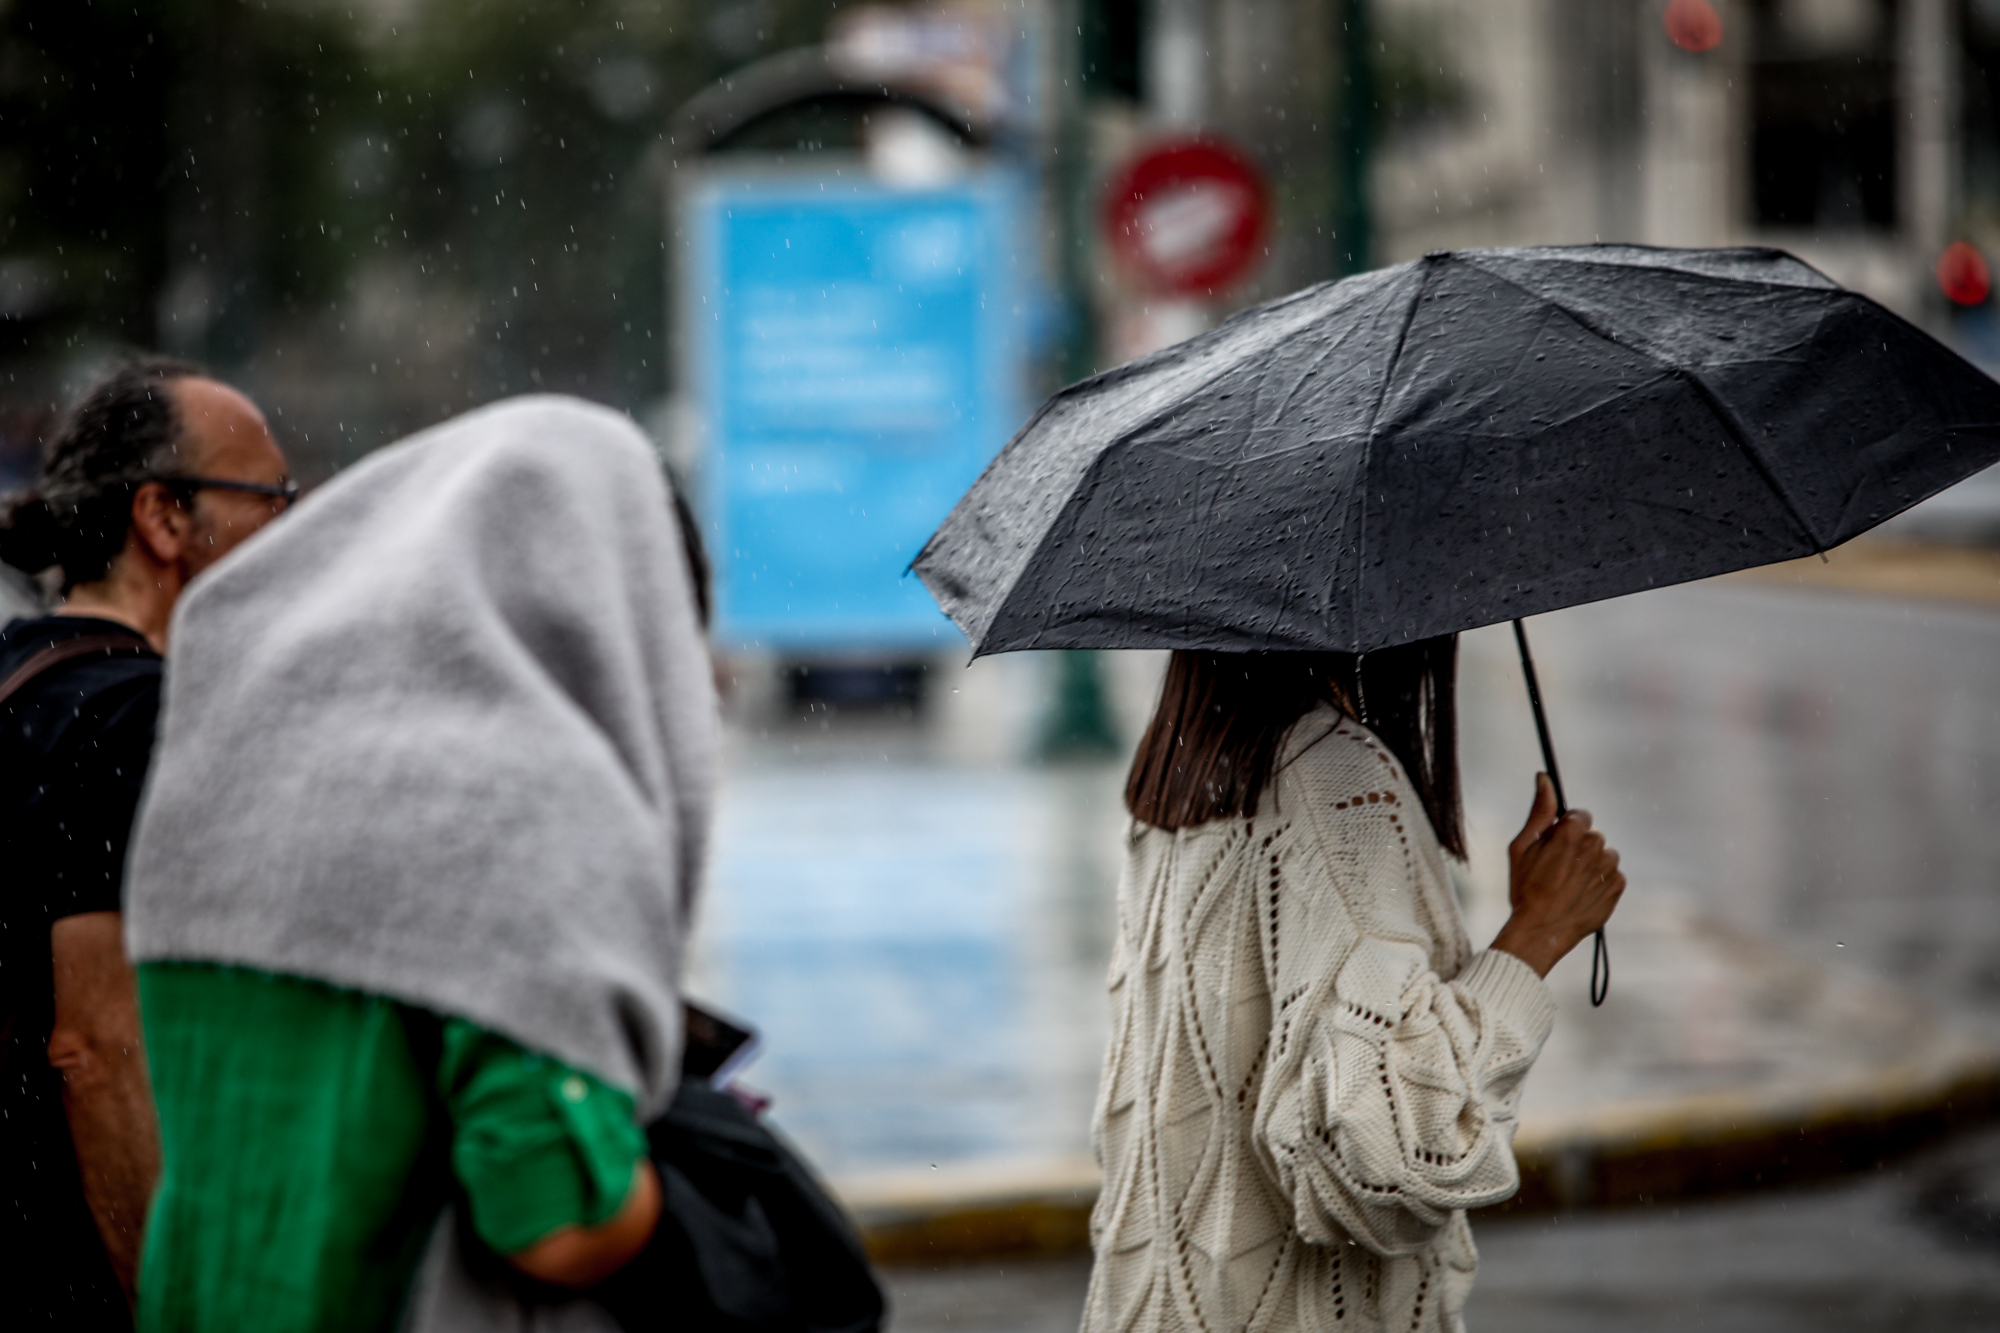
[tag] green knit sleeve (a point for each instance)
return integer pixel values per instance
(537, 1145)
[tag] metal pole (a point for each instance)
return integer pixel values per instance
(1068, 146)
(1600, 953)
(1353, 221)
(1079, 718)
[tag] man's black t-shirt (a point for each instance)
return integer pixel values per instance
(74, 745)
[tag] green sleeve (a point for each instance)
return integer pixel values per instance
(537, 1145)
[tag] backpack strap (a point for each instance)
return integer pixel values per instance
(83, 645)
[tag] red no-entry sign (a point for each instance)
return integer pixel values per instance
(1188, 216)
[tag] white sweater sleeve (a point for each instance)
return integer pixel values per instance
(1390, 1099)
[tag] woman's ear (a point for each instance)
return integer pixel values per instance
(1341, 699)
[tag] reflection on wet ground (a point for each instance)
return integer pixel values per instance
(1803, 784)
(923, 945)
(1822, 768)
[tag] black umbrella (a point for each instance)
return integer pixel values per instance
(1472, 437)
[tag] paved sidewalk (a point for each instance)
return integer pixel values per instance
(1912, 1246)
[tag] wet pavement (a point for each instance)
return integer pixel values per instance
(1913, 1246)
(1822, 769)
(922, 944)
(1802, 782)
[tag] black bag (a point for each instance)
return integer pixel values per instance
(748, 1241)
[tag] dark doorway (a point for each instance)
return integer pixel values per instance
(1823, 115)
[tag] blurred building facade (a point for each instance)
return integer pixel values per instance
(376, 214)
(1859, 134)
(1832, 128)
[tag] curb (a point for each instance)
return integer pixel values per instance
(1731, 1143)
(977, 1211)
(1892, 567)
(1611, 1157)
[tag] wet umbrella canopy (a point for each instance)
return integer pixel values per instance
(1468, 438)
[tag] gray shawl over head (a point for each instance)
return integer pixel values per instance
(446, 734)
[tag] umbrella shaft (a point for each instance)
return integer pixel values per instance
(1541, 718)
(1600, 952)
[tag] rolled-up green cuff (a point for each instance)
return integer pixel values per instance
(538, 1146)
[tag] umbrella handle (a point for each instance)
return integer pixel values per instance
(1600, 952)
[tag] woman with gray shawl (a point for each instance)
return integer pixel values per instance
(410, 884)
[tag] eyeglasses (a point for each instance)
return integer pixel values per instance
(288, 491)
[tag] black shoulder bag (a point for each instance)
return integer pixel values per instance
(748, 1240)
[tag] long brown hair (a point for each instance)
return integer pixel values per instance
(1223, 717)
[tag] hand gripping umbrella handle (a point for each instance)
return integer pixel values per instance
(1600, 953)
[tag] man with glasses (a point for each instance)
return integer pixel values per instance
(155, 473)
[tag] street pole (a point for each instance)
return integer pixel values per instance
(1069, 145)
(1355, 115)
(1078, 722)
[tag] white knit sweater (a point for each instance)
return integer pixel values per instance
(1311, 1075)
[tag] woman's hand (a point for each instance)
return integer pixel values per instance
(1563, 883)
(585, 1256)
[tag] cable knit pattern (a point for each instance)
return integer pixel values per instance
(1311, 1075)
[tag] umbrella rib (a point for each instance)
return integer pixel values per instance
(1033, 547)
(1769, 284)
(1717, 408)
(1756, 456)
(1324, 355)
(1090, 470)
(1396, 356)
(1368, 440)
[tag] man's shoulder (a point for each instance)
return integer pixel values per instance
(26, 635)
(21, 639)
(106, 690)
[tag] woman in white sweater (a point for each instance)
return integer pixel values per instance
(1312, 1074)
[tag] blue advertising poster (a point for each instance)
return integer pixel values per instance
(856, 360)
